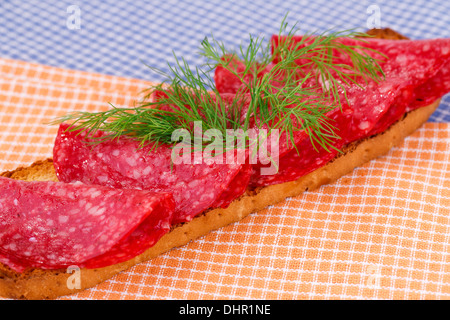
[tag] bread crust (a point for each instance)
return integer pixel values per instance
(386, 33)
(50, 284)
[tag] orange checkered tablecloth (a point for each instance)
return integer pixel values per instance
(381, 232)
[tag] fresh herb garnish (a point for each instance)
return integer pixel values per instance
(276, 100)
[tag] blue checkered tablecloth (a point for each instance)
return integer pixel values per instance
(120, 37)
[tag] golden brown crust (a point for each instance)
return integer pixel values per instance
(386, 33)
(42, 170)
(40, 284)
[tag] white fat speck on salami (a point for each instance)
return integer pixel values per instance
(123, 163)
(52, 225)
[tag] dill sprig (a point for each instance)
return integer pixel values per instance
(276, 100)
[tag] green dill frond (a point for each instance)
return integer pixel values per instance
(273, 99)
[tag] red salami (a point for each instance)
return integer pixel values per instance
(227, 82)
(123, 163)
(305, 158)
(409, 67)
(439, 85)
(51, 225)
(236, 188)
(416, 73)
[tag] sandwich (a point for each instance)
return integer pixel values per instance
(127, 185)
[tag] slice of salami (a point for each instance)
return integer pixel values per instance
(123, 163)
(439, 85)
(227, 82)
(306, 157)
(416, 74)
(409, 66)
(52, 225)
(236, 188)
